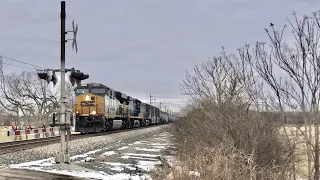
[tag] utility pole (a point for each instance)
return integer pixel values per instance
(160, 106)
(150, 108)
(150, 98)
(153, 107)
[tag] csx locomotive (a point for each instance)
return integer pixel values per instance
(98, 108)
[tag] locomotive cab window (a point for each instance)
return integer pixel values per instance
(98, 91)
(82, 91)
(92, 98)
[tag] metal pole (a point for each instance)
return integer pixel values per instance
(150, 109)
(63, 96)
(154, 111)
(45, 100)
(68, 133)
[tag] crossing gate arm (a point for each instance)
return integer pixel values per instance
(32, 131)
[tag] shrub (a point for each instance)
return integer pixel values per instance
(228, 141)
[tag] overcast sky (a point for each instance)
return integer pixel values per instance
(137, 46)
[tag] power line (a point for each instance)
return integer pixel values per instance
(11, 59)
(17, 65)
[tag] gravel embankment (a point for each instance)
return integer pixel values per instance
(79, 146)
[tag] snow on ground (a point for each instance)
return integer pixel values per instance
(124, 147)
(122, 161)
(85, 154)
(109, 153)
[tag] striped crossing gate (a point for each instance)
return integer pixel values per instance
(46, 132)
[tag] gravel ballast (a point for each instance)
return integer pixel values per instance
(79, 146)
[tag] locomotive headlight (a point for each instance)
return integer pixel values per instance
(94, 113)
(87, 98)
(77, 112)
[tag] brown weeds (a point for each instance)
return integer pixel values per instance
(229, 142)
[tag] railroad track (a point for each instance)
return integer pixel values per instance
(15, 146)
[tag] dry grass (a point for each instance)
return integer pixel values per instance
(228, 142)
(216, 163)
(296, 136)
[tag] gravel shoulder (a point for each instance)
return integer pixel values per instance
(79, 146)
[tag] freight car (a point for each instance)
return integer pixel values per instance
(98, 108)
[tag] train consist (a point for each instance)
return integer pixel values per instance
(98, 108)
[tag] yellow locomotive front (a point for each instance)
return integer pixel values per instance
(89, 104)
(89, 107)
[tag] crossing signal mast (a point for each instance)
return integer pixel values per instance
(76, 76)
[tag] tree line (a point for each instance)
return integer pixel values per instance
(27, 100)
(255, 113)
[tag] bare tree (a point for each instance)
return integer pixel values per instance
(291, 81)
(27, 97)
(223, 79)
(299, 85)
(225, 87)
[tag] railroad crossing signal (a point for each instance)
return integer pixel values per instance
(45, 75)
(76, 76)
(74, 40)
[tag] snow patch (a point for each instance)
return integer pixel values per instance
(85, 154)
(119, 168)
(138, 142)
(123, 176)
(122, 165)
(145, 149)
(140, 161)
(125, 157)
(159, 147)
(147, 165)
(143, 165)
(90, 174)
(82, 174)
(142, 155)
(161, 144)
(109, 153)
(124, 147)
(43, 162)
(87, 174)
(143, 158)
